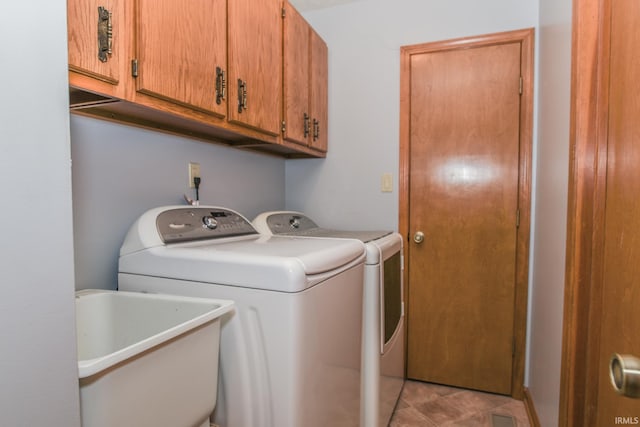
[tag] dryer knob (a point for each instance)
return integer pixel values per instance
(210, 222)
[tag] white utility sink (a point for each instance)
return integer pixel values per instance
(147, 359)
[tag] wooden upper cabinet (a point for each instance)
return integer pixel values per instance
(297, 114)
(319, 92)
(210, 69)
(95, 66)
(181, 52)
(305, 83)
(255, 64)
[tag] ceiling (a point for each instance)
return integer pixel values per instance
(303, 5)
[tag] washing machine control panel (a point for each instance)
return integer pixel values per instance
(198, 223)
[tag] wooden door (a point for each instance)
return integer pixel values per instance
(319, 96)
(620, 320)
(603, 247)
(255, 64)
(84, 58)
(297, 115)
(180, 47)
(466, 162)
(305, 83)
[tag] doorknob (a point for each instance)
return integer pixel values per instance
(418, 237)
(624, 371)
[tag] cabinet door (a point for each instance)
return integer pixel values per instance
(255, 64)
(319, 92)
(85, 56)
(180, 47)
(297, 116)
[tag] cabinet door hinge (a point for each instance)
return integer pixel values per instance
(521, 85)
(517, 218)
(134, 67)
(284, 13)
(284, 127)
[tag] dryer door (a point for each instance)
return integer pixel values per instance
(391, 298)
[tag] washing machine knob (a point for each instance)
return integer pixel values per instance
(294, 222)
(210, 222)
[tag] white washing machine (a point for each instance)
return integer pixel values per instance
(383, 359)
(290, 354)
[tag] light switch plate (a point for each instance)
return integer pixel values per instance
(387, 183)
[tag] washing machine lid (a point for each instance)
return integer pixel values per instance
(231, 254)
(291, 223)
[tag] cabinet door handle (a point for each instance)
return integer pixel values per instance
(316, 129)
(242, 95)
(105, 34)
(306, 125)
(221, 85)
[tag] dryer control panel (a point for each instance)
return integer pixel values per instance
(198, 223)
(288, 223)
(297, 224)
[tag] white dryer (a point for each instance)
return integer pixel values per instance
(383, 354)
(290, 353)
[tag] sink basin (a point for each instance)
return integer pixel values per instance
(147, 359)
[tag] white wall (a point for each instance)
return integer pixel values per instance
(364, 40)
(548, 266)
(38, 370)
(121, 171)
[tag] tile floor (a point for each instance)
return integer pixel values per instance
(430, 405)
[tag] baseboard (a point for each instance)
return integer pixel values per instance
(531, 409)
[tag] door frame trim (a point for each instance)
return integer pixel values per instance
(526, 38)
(585, 215)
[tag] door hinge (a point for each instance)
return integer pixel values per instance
(521, 85)
(284, 127)
(284, 12)
(134, 67)
(518, 218)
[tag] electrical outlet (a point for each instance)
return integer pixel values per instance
(387, 183)
(194, 171)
